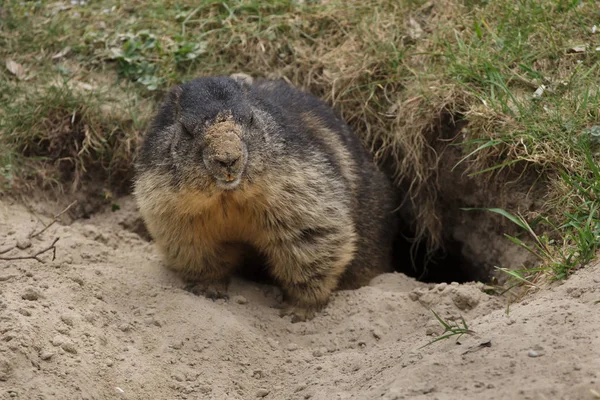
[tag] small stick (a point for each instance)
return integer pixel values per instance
(35, 256)
(56, 217)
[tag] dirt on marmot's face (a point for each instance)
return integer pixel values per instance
(224, 153)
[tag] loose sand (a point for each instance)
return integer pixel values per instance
(106, 321)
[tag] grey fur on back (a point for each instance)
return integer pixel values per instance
(372, 195)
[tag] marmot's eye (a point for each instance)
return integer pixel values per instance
(186, 131)
(251, 119)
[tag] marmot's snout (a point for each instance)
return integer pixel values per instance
(224, 155)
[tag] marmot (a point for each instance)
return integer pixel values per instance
(232, 163)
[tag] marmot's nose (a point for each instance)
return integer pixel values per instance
(226, 161)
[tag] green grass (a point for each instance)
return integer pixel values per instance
(451, 329)
(524, 75)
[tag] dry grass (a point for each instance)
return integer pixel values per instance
(68, 135)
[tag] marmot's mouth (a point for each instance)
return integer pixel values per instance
(228, 184)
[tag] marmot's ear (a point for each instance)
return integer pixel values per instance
(244, 80)
(173, 99)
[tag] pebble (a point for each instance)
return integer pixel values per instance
(300, 387)
(5, 369)
(46, 355)
(63, 330)
(177, 345)
(318, 353)
(178, 376)
(466, 298)
(152, 321)
(67, 319)
(69, 348)
(31, 294)
(414, 295)
(258, 374)
(24, 312)
(377, 334)
(90, 231)
(191, 376)
(262, 393)
(7, 337)
(205, 389)
(240, 299)
(23, 243)
(125, 327)
(433, 328)
(78, 280)
(533, 353)
(292, 347)
(57, 341)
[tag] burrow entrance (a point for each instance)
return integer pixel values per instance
(468, 244)
(446, 264)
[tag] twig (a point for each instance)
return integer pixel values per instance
(478, 347)
(35, 256)
(56, 217)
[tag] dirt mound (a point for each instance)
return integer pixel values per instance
(106, 320)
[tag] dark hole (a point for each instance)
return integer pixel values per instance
(254, 267)
(448, 264)
(444, 265)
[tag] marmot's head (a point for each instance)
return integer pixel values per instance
(212, 133)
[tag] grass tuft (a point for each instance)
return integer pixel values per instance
(450, 329)
(69, 135)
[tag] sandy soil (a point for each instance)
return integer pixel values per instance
(106, 321)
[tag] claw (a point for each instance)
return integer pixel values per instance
(211, 291)
(298, 314)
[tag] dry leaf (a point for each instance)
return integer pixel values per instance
(15, 68)
(539, 91)
(577, 49)
(414, 31)
(84, 86)
(62, 53)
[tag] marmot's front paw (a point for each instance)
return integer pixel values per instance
(213, 290)
(298, 314)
